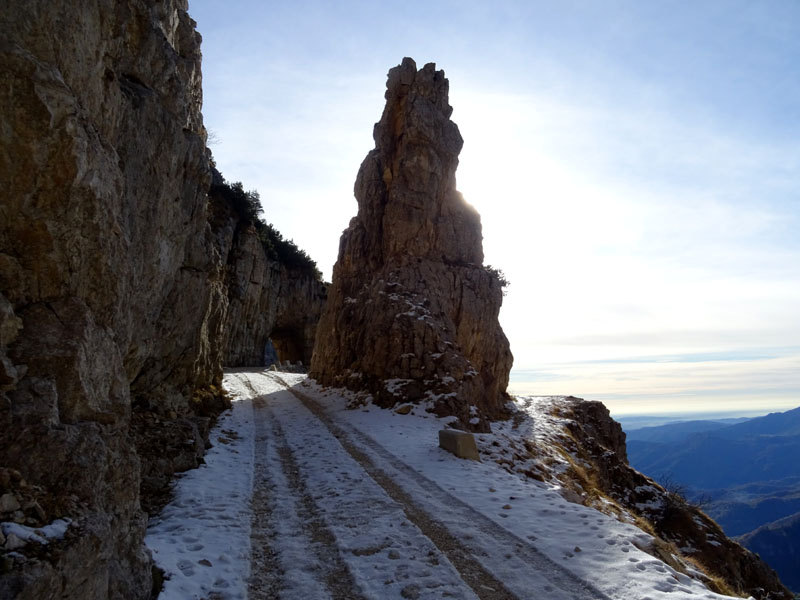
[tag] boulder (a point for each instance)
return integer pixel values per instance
(460, 443)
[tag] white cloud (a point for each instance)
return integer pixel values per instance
(641, 387)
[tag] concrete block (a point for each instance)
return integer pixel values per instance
(460, 443)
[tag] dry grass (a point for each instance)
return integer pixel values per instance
(644, 524)
(714, 582)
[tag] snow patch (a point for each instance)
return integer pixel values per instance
(395, 386)
(202, 538)
(52, 531)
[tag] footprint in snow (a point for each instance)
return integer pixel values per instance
(186, 567)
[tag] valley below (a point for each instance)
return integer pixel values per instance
(745, 475)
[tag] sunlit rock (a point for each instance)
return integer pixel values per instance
(412, 312)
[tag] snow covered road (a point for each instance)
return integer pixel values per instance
(463, 535)
(345, 534)
(301, 499)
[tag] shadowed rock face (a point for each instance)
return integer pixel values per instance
(111, 290)
(267, 302)
(120, 292)
(411, 312)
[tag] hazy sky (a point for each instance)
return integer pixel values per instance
(636, 165)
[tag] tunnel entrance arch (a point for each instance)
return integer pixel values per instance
(289, 344)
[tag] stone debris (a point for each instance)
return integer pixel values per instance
(9, 503)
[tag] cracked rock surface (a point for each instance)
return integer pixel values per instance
(412, 312)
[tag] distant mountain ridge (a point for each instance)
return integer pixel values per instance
(673, 432)
(746, 475)
(777, 544)
(774, 424)
(711, 461)
(742, 509)
(636, 422)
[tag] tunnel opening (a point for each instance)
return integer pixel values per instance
(289, 344)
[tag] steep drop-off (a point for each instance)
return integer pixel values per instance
(412, 313)
(777, 543)
(114, 287)
(588, 456)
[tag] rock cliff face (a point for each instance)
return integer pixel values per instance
(110, 288)
(268, 301)
(412, 313)
(594, 470)
(113, 286)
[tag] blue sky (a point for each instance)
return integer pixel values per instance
(636, 165)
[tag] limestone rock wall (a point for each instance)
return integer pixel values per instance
(267, 301)
(253, 288)
(301, 301)
(111, 291)
(412, 313)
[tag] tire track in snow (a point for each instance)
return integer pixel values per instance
(266, 574)
(337, 576)
(455, 520)
(387, 555)
(289, 514)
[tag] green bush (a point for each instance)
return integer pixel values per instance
(499, 276)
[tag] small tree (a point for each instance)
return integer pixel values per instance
(500, 277)
(247, 204)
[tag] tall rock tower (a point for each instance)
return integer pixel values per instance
(412, 313)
